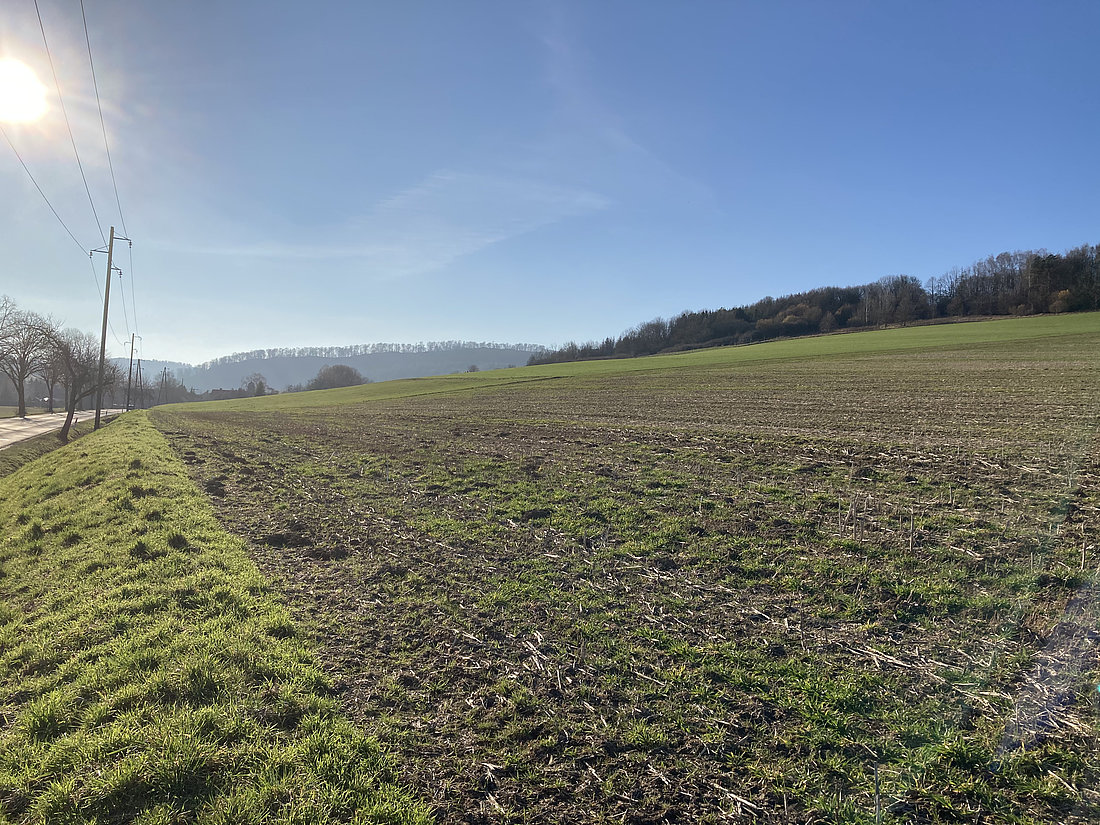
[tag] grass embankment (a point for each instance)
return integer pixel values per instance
(26, 451)
(147, 674)
(699, 586)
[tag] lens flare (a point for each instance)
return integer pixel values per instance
(22, 95)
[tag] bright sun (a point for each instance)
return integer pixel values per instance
(22, 95)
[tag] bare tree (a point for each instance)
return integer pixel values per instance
(78, 354)
(170, 390)
(8, 311)
(51, 371)
(255, 384)
(26, 345)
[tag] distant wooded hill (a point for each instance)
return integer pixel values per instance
(377, 362)
(1012, 283)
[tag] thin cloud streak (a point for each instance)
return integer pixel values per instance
(447, 216)
(595, 131)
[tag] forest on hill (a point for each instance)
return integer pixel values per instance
(1011, 283)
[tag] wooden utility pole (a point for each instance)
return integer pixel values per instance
(103, 338)
(130, 377)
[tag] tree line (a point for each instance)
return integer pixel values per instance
(357, 350)
(168, 389)
(332, 377)
(1011, 283)
(35, 347)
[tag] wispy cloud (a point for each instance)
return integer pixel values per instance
(427, 226)
(596, 132)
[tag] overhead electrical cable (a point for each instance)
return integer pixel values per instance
(68, 126)
(110, 324)
(23, 163)
(123, 283)
(69, 232)
(95, 277)
(133, 298)
(102, 124)
(125, 311)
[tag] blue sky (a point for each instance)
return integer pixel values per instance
(349, 172)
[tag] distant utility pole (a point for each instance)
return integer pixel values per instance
(130, 377)
(110, 250)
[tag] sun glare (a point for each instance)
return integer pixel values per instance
(22, 95)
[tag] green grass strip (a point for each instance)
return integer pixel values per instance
(23, 452)
(147, 673)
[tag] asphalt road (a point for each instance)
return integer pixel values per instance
(20, 429)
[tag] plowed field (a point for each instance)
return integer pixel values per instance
(710, 592)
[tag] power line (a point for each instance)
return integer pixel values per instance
(133, 297)
(68, 126)
(102, 125)
(83, 251)
(114, 185)
(83, 177)
(122, 292)
(80, 246)
(95, 277)
(110, 324)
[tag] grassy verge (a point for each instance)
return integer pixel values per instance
(146, 672)
(24, 452)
